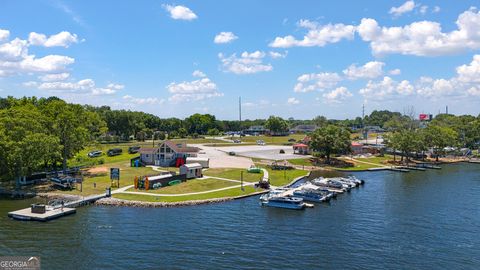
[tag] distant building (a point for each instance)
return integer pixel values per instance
(376, 129)
(256, 130)
(304, 129)
(168, 153)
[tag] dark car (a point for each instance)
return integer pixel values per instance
(291, 140)
(231, 153)
(133, 149)
(114, 152)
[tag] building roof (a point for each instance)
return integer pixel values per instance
(147, 150)
(192, 165)
(181, 149)
(301, 145)
(197, 159)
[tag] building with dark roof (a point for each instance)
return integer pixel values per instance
(168, 153)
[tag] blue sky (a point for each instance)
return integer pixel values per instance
(288, 58)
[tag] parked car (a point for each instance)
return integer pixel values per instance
(114, 152)
(95, 153)
(133, 149)
(231, 153)
(261, 142)
(292, 140)
(237, 141)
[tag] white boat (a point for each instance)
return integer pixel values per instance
(285, 202)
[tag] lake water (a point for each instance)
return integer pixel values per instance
(416, 220)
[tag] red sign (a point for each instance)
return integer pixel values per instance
(423, 116)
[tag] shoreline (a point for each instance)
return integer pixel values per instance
(114, 202)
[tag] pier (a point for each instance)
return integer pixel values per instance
(54, 212)
(26, 214)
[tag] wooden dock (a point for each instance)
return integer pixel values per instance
(26, 214)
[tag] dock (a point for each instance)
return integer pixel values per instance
(55, 212)
(26, 214)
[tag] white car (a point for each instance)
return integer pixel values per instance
(261, 142)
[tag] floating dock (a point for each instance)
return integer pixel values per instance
(26, 214)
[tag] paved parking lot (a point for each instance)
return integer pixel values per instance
(262, 151)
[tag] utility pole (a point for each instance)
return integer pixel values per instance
(240, 108)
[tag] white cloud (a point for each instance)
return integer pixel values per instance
(84, 87)
(198, 73)
(404, 8)
(194, 90)
(14, 50)
(471, 72)
(293, 101)
(424, 38)
(386, 89)
(180, 12)
(4, 34)
(316, 82)
(337, 95)
(277, 55)
(260, 104)
(225, 37)
(247, 63)
(423, 9)
(54, 77)
(436, 9)
(15, 59)
(370, 70)
(396, 71)
(62, 39)
(317, 35)
(144, 101)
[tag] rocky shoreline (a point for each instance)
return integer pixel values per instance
(128, 203)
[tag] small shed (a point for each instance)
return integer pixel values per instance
(301, 149)
(204, 161)
(192, 170)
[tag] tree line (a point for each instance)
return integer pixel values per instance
(42, 133)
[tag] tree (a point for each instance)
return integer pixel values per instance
(320, 121)
(69, 123)
(331, 140)
(276, 124)
(438, 137)
(213, 132)
(199, 123)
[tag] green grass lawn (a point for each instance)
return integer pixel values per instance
(283, 177)
(380, 161)
(273, 139)
(301, 161)
(195, 185)
(233, 192)
(233, 174)
(102, 180)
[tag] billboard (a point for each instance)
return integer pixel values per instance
(425, 117)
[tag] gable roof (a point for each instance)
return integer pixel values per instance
(180, 149)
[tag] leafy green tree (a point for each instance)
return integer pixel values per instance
(199, 123)
(69, 122)
(276, 124)
(439, 137)
(331, 140)
(213, 132)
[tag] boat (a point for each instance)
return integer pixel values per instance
(285, 202)
(311, 195)
(323, 182)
